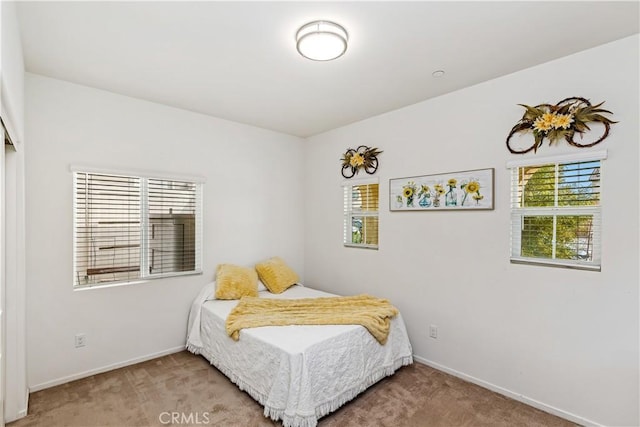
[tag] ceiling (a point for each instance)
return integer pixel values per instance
(237, 60)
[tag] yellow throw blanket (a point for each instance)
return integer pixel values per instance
(373, 313)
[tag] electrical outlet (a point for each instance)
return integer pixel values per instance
(81, 340)
(433, 331)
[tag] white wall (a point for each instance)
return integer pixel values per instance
(252, 210)
(12, 104)
(12, 64)
(563, 339)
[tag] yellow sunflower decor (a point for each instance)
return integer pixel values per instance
(362, 157)
(438, 191)
(561, 121)
(409, 192)
(471, 188)
(424, 195)
(451, 197)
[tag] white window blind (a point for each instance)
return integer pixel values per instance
(172, 226)
(361, 205)
(128, 228)
(555, 213)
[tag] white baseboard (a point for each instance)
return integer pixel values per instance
(9, 418)
(21, 413)
(513, 395)
(107, 368)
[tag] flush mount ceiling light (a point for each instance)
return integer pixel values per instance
(321, 40)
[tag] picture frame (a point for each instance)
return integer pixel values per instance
(465, 190)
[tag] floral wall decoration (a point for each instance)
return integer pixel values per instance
(362, 157)
(564, 120)
(455, 190)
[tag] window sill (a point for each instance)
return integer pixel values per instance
(136, 282)
(557, 264)
(355, 245)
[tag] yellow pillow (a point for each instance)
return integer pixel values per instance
(235, 282)
(276, 275)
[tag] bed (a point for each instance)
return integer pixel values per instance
(298, 373)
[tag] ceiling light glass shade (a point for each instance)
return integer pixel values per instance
(321, 40)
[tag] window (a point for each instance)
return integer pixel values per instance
(128, 228)
(555, 212)
(361, 214)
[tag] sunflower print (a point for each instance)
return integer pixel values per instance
(472, 187)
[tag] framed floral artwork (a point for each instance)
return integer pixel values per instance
(467, 190)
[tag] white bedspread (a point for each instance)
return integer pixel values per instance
(298, 373)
